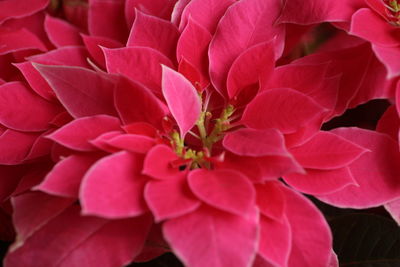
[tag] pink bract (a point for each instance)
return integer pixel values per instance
(128, 129)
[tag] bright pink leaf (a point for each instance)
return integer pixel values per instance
(393, 208)
(275, 240)
(262, 168)
(182, 99)
(61, 33)
(389, 123)
(317, 11)
(321, 182)
(150, 31)
(310, 232)
(388, 55)
(254, 66)
(113, 187)
(41, 147)
(357, 68)
(270, 200)
(65, 178)
(10, 179)
(18, 8)
(227, 190)
(14, 100)
(136, 103)
(326, 150)
(77, 134)
(17, 40)
(206, 12)
(71, 56)
(370, 26)
(157, 8)
(192, 46)
(284, 109)
(170, 198)
(376, 172)
(15, 146)
(251, 22)
(158, 163)
(255, 143)
(132, 142)
(106, 19)
(176, 14)
(69, 234)
(32, 211)
(141, 64)
(208, 237)
(308, 79)
(93, 45)
(101, 142)
(82, 92)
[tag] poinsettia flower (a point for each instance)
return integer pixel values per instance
(174, 135)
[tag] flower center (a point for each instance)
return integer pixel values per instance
(208, 132)
(393, 11)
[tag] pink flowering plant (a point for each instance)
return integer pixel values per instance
(199, 133)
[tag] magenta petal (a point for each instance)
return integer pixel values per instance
(77, 134)
(228, 190)
(251, 22)
(18, 104)
(15, 146)
(310, 232)
(256, 143)
(141, 64)
(308, 79)
(320, 182)
(41, 147)
(368, 25)
(18, 40)
(255, 65)
(66, 176)
(69, 234)
(376, 172)
(136, 103)
(272, 209)
(182, 99)
(192, 46)
(170, 198)
(106, 19)
(158, 163)
(35, 80)
(393, 208)
(389, 123)
(101, 141)
(276, 166)
(70, 55)
(388, 56)
(132, 142)
(205, 12)
(163, 35)
(206, 236)
(157, 8)
(93, 45)
(317, 11)
(284, 109)
(18, 8)
(82, 92)
(113, 187)
(275, 241)
(61, 33)
(32, 211)
(326, 150)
